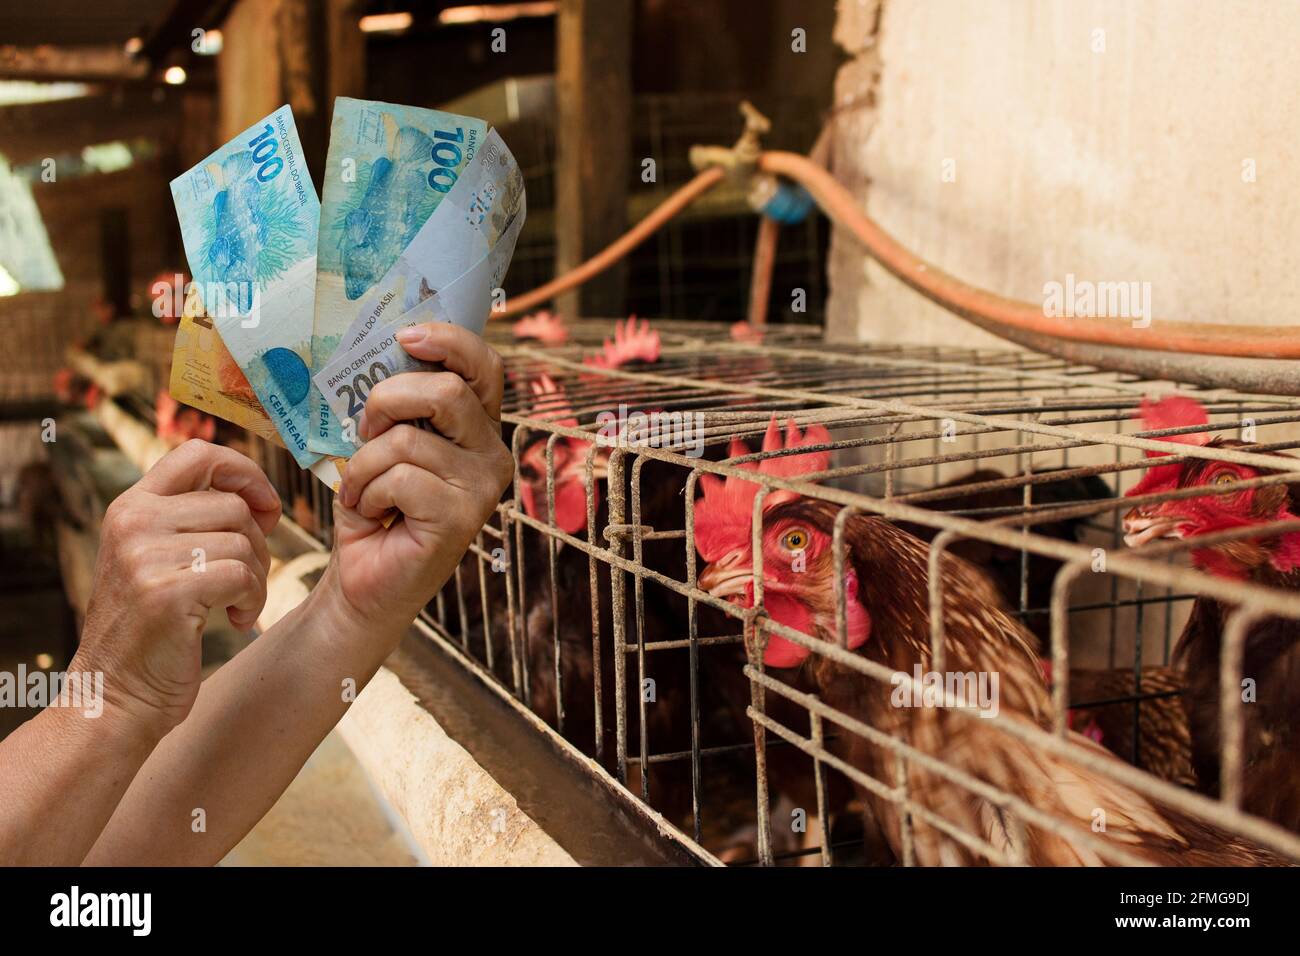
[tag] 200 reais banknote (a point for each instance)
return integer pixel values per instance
(388, 169)
(347, 381)
(249, 218)
(373, 353)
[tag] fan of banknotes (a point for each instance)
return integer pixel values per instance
(290, 317)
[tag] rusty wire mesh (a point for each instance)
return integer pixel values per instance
(605, 633)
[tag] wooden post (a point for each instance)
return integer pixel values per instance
(300, 52)
(594, 149)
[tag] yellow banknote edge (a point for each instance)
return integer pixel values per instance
(206, 377)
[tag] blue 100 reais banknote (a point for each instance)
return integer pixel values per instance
(249, 218)
(387, 170)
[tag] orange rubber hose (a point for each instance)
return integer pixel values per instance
(986, 309)
(598, 263)
(760, 283)
(991, 310)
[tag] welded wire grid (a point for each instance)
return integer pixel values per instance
(903, 422)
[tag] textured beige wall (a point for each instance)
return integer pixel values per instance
(1118, 164)
(1103, 138)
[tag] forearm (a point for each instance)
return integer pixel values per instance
(62, 775)
(254, 724)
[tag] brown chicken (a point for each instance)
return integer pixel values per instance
(1164, 741)
(1271, 758)
(887, 623)
(1104, 705)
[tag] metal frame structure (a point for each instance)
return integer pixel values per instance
(891, 412)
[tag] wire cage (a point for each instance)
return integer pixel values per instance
(585, 597)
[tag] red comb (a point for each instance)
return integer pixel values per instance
(545, 326)
(744, 332)
(722, 515)
(63, 382)
(165, 410)
(1174, 412)
(630, 342)
(550, 402)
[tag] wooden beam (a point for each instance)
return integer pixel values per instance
(36, 130)
(594, 149)
(174, 31)
(346, 75)
(85, 63)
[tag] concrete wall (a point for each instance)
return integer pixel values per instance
(1118, 140)
(1112, 139)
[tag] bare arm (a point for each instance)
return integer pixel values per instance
(255, 723)
(61, 775)
(258, 719)
(64, 771)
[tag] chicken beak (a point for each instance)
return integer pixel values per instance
(1141, 526)
(729, 577)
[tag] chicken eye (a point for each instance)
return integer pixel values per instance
(795, 539)
(1224, 478)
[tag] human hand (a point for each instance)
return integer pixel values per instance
(445, 483)
(188, 537)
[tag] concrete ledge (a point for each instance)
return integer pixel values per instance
(456, 813)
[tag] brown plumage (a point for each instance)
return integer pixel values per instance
(1165, 748)
(1001, 564)
(1102, 707)
(1271, 745)
(889, 576)
(1271, 659)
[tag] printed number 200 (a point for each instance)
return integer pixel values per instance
(358, 390)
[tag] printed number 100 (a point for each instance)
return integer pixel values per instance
(446, 153)
(264, 147)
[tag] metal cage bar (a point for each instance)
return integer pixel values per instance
(890, 412)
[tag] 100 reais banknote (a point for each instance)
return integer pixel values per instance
(388, 169)
(249, 218)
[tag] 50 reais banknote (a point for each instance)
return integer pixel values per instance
(206, 376)
(249, 218)
(388, 169)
